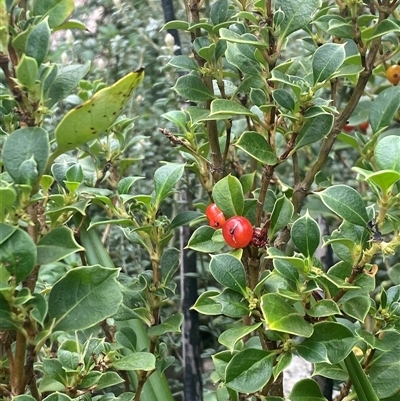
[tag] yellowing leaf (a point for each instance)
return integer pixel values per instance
(86, 121)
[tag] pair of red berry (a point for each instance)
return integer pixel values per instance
(237, 230)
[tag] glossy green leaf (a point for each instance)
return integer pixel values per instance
(242, 57)
(169, 264)
(206, 304)
(228, 196)
(138, 361)
(229, 272)
(88, 120)
(255, 145)
(247, 39)
(281, 215)
(336, 338)
(357, 307)
(109, 379)
(202, 240)
(324, 307)
(297, 14)
(387, 152)
(35, 150)
(17, 252)
(326, 61)
(193, 88)
(165, 179)
(384, 107)
(219, 11)
(223, 109)
(284, 99)
(56, 245)
(306, 390)
(232, 303)
(314, 129)
(346, 202)
(312, 352)
(184, 219)
(84, 297)
(331, 371)
(231, 336)
(183, 63)
(305, 235)
(249, 370)
(6, 319)
(280, 315)
(176, 24)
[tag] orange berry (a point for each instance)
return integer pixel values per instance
(393, 74)
(364, 126)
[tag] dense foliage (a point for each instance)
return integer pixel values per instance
(287, 116)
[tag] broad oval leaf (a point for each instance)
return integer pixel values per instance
(249, 370)
(206, 304)
(193, 88)
(306, 390)
(56, 245)
(231, 336)
(228, 196)
(255, 145)
(229, 271)
(137, 361)
(281, 214)
(84, 297)
(35, 150)
(88, 120)
(346, 202)
(314, 129)
(387, 153)
(384, 107)
(165, 179)
(306, 235)
(281, 316)
(202, 240)
(326, 61)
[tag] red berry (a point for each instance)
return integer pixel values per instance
(237, 232)
(348, 128)
(364, 126)
(215, 217)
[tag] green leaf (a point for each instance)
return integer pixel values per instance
(229, 271)
(57, 10)
(249, 370)
(84, 297)
(56, 245)
(193, 88)
(384, 107)
(336, 338)
(255, 145)
(183, 63)
(169, 264)
(206, 304)
(284, 99)
(324, 307)
(17, 253)
(88, 120)
(170, 325)
(219, 12)
(384, 27)
(326, 61)
(202, 240)
(312, 352)
(26, 144)
(306, 390)
(39, 308)
(38, 41)
(65, 80)
(357, 307)
(176, 24)
(225, 109)
(242, 57)
(165, 179)
(297, 14)
(228, 196)
(384, 367)
(56, 396)
(346, 202)
(126, 336)
(27, 71)
(387, 152)
(6, 320)
(281, 316)
(233, 304)
(335, 372)
(306, 235)
(138, 361)
(184, 219)
(314, 129)
(109, 379)
(230, 337)
(247, 39)
(281, 214)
